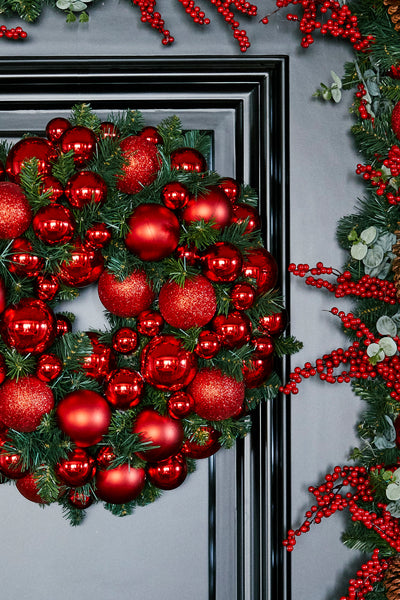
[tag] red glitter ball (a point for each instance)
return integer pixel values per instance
(125, 298)
(216, 396)
(23, 403)
(15, 212)
(192, 305)
(142, 165)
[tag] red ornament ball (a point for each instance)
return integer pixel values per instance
(125, 298)
(243, 296)
(203, 445)
(208, 344)
(49, 367)
(153, 232)
(188, 159)
(27, 486)
(98, 236)
(274, 324)
(395, 120)
(46, 287)
(63, 325)
(241, 212)
(256, 371)
(54, 224)
(166, 364)
(142, 164)
(82, 141)
(23, 262)
(158, 430)
(25, 150)
(100, 361)
(191, 305)
(24, 402)
(150, 323)
(11, 464)
(216, 396)
(231, 188)
(84, 266)
(2, 172)
(213, 205)
(79, 499)
(84, 416)
(15, 211)
(180, 404)
(151, 134)
(86, 187)
(175, 195)
(261, 266)
(52, 185)
(125, 340)
(29, 326)
(233, 329)
(121, 484)
(124, 388)
(109, 130)
(264, 346)
(169, 473)
(56, 127)
(77, 469)
(188, 254)
(222, 262)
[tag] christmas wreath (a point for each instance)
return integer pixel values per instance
(194, 319)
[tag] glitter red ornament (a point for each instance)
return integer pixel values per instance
(208, 344)
(121, 484)
(82, 141)
(243, 296)
(124, 388)
(49, 367)
(28, 326)
(191, 305)
(56, 127)
(395, 120)
(23, 262)
(27, 486)
(166, 364)
(213, 205)
(149, 322)
(125, 340)
(158, 430)
(153, 232)
(180, 404)
(24, 402)
(216, 396)
(233, 329)
(25, 150)
(203, 445)
(188, 159)
(77, 469)
(54, 224)
(175, 195)
(86, 187)
(125, 298)
(262, 267)
(142, 164)
(169, 473)
(221, 262)
(15, 211)
(84, 416)
(84, 266)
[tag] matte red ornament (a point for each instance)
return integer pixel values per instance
(188, 159)
(49, 367)
(274, 324)
(216, 396)
(125, 298)
(56, 127)
(63, 325)
(208, 344)
(24, 402)
(213, 205)
(124, 388)
(231, 188)
(168, 474)
(82, 141)
(121, 484)
(166, 364)
(204, 445)
(175, 195)
(243, 296)
(160, 431)
(149, 322)
(79, 499)
(261, 266)
(153, 232)
(151, 134)
(11, 464)
(233, 329)
(50, 183)
(84, 266)
(77, 469)
(27, 486)
(98, 236)
(264, 346)
(188, 254)
(192, 305)
(221, 262)
(86, 187)
(15, 211)
(29, 326)
(142, 164)
(395, 120)
(84, 416)
(54, 224)
(241, 212)
(180, 404)
(109, 130)
(256, 371)
(23, 262)
(101, 361)
(46, 287)
(25, 150)
(125, 340)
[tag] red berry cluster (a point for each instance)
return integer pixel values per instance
(154, 18)
(375, 177)
(15, 33)
(362, 105)
(370, 573)
(196, 14)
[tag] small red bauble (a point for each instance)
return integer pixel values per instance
(149, 322)
(243, 296)
(63, 325)
(46, 287)
(221, 262)
(109, 130)
(241, 212)
(274, 324)
(264, 346)
(261, 266)
(50, 183)
(29, 326)
(233, 329)
(100, 361)
(84, 266)
(25, 150)
(125, 298)
(231, 188)
(175, 195)
(256, 371)
(121, 484)
(216, 396)
(188, 159)
(160, 431)
(213, 205)
(11, 464)
(86, 187)
(84, 416)
(169, 473)
(24, 402)
(191, 305)
(180, 404)
(56, 127)
(188, 254)
(151, 134)
(82, 141)
(142, 164)
(77, 469)
(153, 232)
(15, 211)
(208, 344)
(27, 486)
(395, 120)
(49, 366)
(205, 445)
(125, 340)
(124, 388)
(166, 364)
(98, 235)
(79, 499)
(54, 224)
(23, 262)
(105, 456)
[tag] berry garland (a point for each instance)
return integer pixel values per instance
(194, 319)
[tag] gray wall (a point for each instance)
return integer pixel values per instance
(161, 551)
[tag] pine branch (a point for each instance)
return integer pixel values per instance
(82, 114)
(129, 122)
(287, 345)
(64, 167)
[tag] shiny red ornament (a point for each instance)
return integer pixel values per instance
(105, 456)
(256, 371)
(79, 499)
(203, 445)
(231, 188)
(56, 127)
(121, 484)
(77, 469)
(86, 187)
(149, 322)
(189, 255)
(15, 211)
(24, 402)
(98, 236)
(63, 325)
(101, 361)
(216, 396)
(27, 486)
(180, 404)
(213, 206)
(52, 185)
(84, 416)
(264, 346)
(175, 195)
(125, 298)
(191, 305)
(241, 212)
(23, 262)
(274, 324)
(151, 134)
(2, 172)
(11, 464)
(54, 224)
(46, 287)
(243, 296)
(262, 267)
(142, 164)
(168, 474)
(82, 141)
(159, 430)
(29, 326)
(25, 150)
(109, 130)
(84, 266)
(49, 367)
(153, 232)
(125, 340)
(222, 262)
(233, 329)
(166, 364)
(208, 344)
(188, 159)
(124, 388)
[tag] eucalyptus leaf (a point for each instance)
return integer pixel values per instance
(386, 326)
(373, 257)
(369, 235)
(375, 353)
(336, 79)
(394, 509)
(382, 443)
(380, 271)
(388, 345)
(63, 4)
(390, 430)
(373, 88)
(336, 94)
(386, 240)
(77, 5)
(393, 491)
(359, 251)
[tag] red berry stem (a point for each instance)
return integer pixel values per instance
(15, 33)
(366, 577)
(154, 18)
(380, 181)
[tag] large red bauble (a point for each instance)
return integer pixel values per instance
(23, 262)
(161, 431)
(100, 361)
(98, 235)
(180, 404)
(24, 402)
(27, 486)
(54, 224)
(84, 416)
(175, 195)
(395, 120)
(243, 296)
(124, 388)
(121, 484)
(153, 232)
(46, 287)
(233, 329)
(213, 205)
(166, 364)
(208, 344)
(86, 187)
(25, 150)
(29, 326)
(257, 371)
(216, 396)
(82, 141)
(168, 474)
(77, 469)
(231, 188)
(50, 183)
(192, 305)
(204, 445)
(15, 211)
(11, 464)
(125, 298)
(84, 266)
(261, 266)
(125, 340)
(56, 127)
(49, 366)
(188, 159)
(241, 212)
(150, 323)
(274, 324)
(142, 164)
(221, 262)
